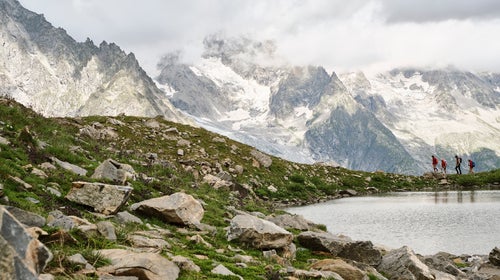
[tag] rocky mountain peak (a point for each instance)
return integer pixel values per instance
(57, 76)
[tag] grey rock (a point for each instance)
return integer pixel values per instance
(258, 233)
(47, 166)
(348, 192)
(57, 219)
(262, 158)
(344, 247)
(146, 266)
(70, 167)
(21, 255)
(77, 259)
(288, 221)
(148, 242)
(178, 208)
(125, 217)
(115, 171)
(185, 264)
(21, 183)
(222, 270)
(104, 198)
(25, 217)
(402, 263)
(54, 192)
(443, 262)
(107, 229)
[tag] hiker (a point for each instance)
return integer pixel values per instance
(458, 162)
(443, 165)
(471, 166)
(434, 163)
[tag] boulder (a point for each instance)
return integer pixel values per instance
(21, 255)
(178, 208)
(494, 256)
(222, 270)
(263, 159)
(145, 266)
(70, 167)
(340, 267)
(185, 264)
(258, 233)
(107, 229)
(402, 263)
(344, 247)
(125, 217)
(148, 241)
(288, 221)
(348, 192)
(323, 241)
(115, 171)
(57, 219)
(104, 198)
(443, 262)
(25, 217)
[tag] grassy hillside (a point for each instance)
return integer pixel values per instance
(183, 156)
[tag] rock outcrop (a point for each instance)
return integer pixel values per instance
(104, 198)
(178, 208)
(258, 233)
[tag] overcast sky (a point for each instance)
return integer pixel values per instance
(337, 34)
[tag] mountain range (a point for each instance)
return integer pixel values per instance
(391, 121)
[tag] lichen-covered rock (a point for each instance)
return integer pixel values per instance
(258, 233)
(178, 208)
(104, 198)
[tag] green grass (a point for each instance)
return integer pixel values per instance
(294, 183)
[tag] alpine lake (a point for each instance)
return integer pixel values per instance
(457, 222)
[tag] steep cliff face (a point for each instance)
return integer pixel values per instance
(44, 68)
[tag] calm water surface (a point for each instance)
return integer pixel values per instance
(428, 222)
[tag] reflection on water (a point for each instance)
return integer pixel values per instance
(429, 222)
(442, 197)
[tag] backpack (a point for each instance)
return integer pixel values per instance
(460, 159)
(473, 164)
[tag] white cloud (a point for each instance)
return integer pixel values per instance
(340, 35)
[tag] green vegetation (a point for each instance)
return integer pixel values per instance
(35, 140)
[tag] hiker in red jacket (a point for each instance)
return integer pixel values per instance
(434, 163)
(471, 166)
(443, 165)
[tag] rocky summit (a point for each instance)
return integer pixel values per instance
(46, 69)
(144, 198)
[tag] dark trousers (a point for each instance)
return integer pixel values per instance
(458, 169)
